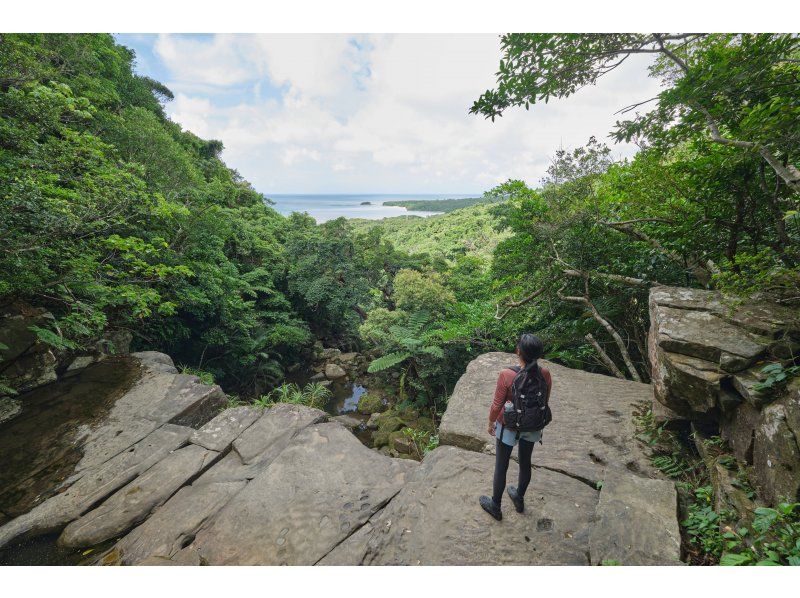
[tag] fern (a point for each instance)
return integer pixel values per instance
(51, 338)
(434, 350)
(387, 361)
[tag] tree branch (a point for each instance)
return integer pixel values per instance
(584, 300)
(607, 361)
(513, 304)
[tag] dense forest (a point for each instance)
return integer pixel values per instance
(113, 217)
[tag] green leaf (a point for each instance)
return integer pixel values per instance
(387, 361)
(733, 560)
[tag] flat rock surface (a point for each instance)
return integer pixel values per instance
(174, 524)
(95, 485)
(312, 496)
(436, 519)
(218, 434)
(636, 522)
(134, 502)
(592, 426)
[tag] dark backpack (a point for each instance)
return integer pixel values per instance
(529, 392)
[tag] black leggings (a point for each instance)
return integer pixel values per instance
(502, 457)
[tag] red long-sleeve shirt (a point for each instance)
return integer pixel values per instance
(502, 391)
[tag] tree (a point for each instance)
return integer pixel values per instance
(740, 88)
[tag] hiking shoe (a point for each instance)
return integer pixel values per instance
(491, 508)
(518, 501)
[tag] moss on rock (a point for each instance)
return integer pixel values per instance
(370, 403)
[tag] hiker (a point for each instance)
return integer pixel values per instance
(518, 413)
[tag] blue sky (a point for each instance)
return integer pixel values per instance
(337, 113)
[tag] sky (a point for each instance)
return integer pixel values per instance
(338, 113)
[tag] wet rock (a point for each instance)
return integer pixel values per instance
(9, 409)
(318, 377)
(348, 421)
(592, 426)
(313, 495)
(636, 522)
(436, 519)
(218, 434)
(372, 422)
(26, 362)
(134, 502)
(156, 398)
(334, 372)
(90, 487)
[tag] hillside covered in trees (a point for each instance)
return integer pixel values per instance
(146, 229)
(114, 218)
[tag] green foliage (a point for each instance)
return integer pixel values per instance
(312, 394)
(468, 231)
(673, 466)
(772, 539)
(610, 563)
(205, 377)
(440, 205)
(424, 442)
(416, 291)
(702, 523)
(776, 377)
(112, 216)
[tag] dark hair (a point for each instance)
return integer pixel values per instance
(530, 348)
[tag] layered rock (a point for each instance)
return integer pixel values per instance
(111, 423)
(707, 355)
(178, 483)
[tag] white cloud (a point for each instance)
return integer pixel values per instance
(337, 113)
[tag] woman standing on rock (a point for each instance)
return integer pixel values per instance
(518, 413)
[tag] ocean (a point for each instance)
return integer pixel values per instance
(328, 207)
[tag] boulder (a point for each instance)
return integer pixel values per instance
(312, 496)
(330, 354)
(371, 403)
(701, 346)
(334, 372)
(218, 434)
(134, 502)
(436, 520)
(373, 421)
(347, 359)
(636, 522)
(25, 362)
(686, 384)
(776, 454)
(592, 427)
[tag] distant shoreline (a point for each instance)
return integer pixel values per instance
(438, 205)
